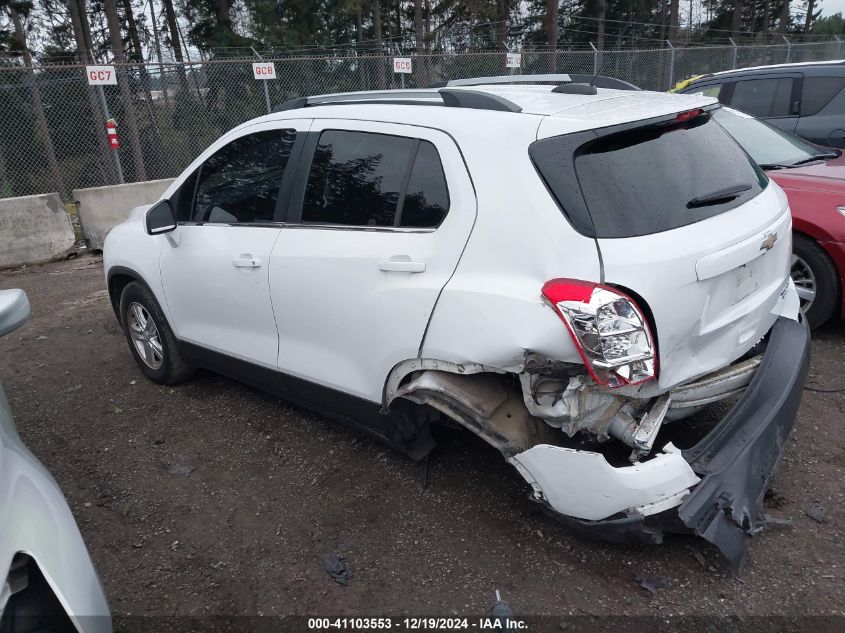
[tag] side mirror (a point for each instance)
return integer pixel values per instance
(160, 218)
(14, 310)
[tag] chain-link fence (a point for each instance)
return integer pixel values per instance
(52, 123)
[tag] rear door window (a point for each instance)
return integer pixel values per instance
(817, 92)
(356, 178)
(648, 179)
(380, 180)
(764, 98)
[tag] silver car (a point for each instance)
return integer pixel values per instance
(49, 582)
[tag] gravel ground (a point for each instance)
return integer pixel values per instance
(212, 498)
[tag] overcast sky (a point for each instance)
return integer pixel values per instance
(829, 7)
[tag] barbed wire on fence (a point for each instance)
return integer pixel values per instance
(181, 108)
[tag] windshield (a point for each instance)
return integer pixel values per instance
(766, 144)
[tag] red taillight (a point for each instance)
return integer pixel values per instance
(609, 330)
(689, 114)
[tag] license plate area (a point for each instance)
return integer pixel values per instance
(747, 280)
(742, 292)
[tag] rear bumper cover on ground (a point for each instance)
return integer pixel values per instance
(737, 460)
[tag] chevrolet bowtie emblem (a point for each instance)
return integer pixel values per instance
(769, 242)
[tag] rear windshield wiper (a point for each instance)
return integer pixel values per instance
(722, 195)
(826, 156)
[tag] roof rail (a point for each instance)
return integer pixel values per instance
(509, 79)
(445, 97)
(604, 82)
(599, 81)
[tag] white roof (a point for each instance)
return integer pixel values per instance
(573, 112)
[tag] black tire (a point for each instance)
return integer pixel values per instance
(823, 272)
(166, 366)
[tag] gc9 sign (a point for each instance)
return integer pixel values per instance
(402, 65)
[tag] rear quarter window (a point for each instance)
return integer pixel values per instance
(817, 92)
(647, 179)
(710, 90)
(765, 98)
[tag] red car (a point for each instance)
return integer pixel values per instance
(814, 180)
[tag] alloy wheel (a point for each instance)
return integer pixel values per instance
(145, 336)
(805, 282)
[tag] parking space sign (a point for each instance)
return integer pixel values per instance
(101, 75)
(402, 65)
(513, 60)
(264, 70)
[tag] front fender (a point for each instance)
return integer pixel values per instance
(36, 520)
(130, 251)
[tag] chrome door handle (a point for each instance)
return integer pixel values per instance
(401, 266)
(246, 262)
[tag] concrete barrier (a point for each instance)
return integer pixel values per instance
(33, 229)
(100, 209)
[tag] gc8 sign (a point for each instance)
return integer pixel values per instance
(101, 75)
(264, 70)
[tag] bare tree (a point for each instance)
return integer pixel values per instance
(131, 121)
(375, 6)
(157, 46)
(427, 27)
(81, 36)
(173, 28)
(420, 37)
(501, 25)
(602, 6)
(783, 23)
(418, 26)
(377, 37)
(222, 11)
(41, 126)
(137, 55)
(673, 20)
(808, 21)
(551, 33)
(736, 20)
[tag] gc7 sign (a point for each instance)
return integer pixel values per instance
(101, 75)
(264, 70)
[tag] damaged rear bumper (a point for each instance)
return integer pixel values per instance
(714, 489)
(737, 460)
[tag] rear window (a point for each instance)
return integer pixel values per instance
(648, 179)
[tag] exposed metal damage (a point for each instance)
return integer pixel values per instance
(539, 415)
(556, 400)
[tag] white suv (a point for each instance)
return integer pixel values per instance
(564, 270)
